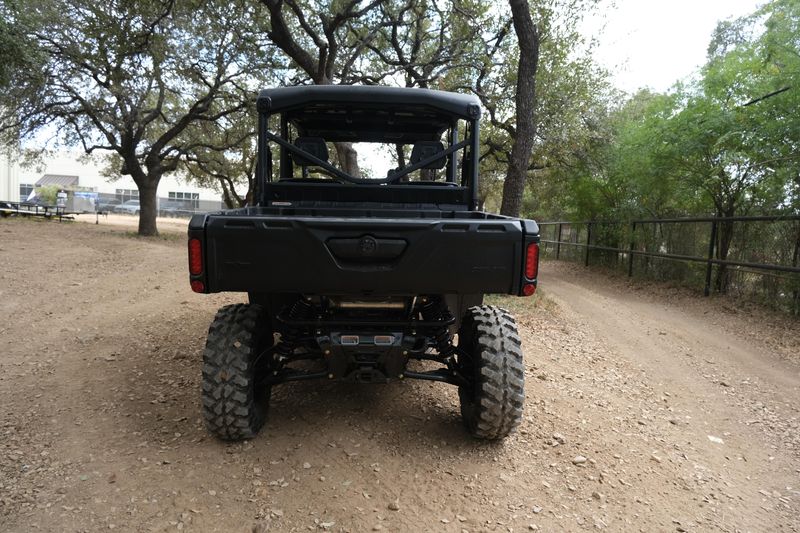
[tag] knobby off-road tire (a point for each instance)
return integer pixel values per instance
(233, 406)
(491, 406)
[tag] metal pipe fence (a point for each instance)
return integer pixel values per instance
(34, 210)
(736, 249)
(109, 203)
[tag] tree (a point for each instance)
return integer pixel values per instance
(465, 45)
(426, 43)
(15, 54)
(567, 87)
(622, 173)
(725, 143)
(429, 44)
(525, 98)
(134, 79)
(743, 118)
(232, 170)
(778, 96)
(779, 49)
(324, 41)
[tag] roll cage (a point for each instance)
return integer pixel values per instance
(369, 114)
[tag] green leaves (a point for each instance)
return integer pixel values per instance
(726, 142)
(140, 80)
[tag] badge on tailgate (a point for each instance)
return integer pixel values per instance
(366, 249)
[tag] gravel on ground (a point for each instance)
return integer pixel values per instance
(648, 409)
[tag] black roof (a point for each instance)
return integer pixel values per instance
(286, 98)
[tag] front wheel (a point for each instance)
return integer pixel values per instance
(234, 404)
(490, 357)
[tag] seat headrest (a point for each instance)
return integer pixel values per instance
(313, 145)
(424, 150)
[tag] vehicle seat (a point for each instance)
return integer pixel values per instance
(424, 150)
(313, 145)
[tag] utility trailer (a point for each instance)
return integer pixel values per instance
(361, 277)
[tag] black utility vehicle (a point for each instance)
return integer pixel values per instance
(359, 278)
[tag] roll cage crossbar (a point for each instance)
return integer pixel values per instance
(395, 177)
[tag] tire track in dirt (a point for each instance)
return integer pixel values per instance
(731, 387)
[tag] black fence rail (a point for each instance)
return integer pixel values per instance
(748, 254)
(105, 204)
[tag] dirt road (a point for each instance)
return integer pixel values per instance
(647, 410)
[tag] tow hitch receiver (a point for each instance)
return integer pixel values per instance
(366, 357)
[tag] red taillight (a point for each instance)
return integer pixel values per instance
(197, 286)
(532, 261)
(195, 258)
(528, 289)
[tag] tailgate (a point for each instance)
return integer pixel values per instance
(328, 255)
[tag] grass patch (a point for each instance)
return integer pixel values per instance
(516, 303)
(163, 236)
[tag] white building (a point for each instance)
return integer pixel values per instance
(67, 169)
(9, 180)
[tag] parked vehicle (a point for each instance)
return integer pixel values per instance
(174, 208)
(106, 206)
(363, 279)
(129, 207)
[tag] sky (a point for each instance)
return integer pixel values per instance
(654, 43)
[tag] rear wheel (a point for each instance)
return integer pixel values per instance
(490, 357)
(234, 405)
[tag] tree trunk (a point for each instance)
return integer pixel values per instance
(528, 38)
(401, 155)
(148, 202)
(725, 233)
(227, 197)
(347, 155)
(348, 158)
(320, 68)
